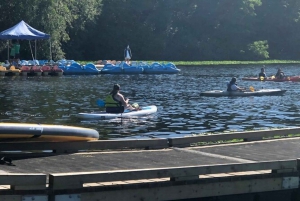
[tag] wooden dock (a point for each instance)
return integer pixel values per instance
(154, 169)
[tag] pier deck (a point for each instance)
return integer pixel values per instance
(167, 173)
(267, 150)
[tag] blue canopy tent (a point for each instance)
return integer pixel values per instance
(23, 31)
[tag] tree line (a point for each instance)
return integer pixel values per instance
(173, 30)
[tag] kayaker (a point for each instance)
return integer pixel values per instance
(262, 74)
(116, 103)
(232, 86)
(279, 74)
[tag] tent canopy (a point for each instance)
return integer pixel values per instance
(23, 31)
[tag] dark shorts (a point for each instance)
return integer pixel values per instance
(115, 109)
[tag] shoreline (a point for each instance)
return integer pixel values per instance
(208, 63)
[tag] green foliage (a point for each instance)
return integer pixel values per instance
(249, 6)
(172, 30)
(260, 48)
(55, 17)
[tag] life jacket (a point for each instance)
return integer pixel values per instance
(110, 101)
(261, 75)
(229, 86)
(112, 105)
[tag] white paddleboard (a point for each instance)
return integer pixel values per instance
(127, 113)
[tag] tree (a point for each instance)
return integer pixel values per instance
(260, 49)
(55, 17)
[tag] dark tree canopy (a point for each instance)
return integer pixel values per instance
(160, 29)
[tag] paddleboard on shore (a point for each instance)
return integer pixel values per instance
(44, 132)
(127, 113)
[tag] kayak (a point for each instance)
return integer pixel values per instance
(127, 113)
(285, 79)
(261, 92)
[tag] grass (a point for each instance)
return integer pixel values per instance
(199, 63)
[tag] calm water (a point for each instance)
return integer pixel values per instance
(181, 111)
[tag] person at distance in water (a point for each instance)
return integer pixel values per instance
(116, 103)
(262, 74)
(232, 86)
(279, 74)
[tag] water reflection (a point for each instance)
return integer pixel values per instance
(181, 111)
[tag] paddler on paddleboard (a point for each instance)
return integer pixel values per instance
(116, 103)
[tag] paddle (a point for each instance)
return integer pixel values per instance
(100, 103)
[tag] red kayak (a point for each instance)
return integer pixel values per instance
(285, 79)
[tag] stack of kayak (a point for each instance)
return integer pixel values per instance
(284, 79)
(139, 68)
(261, 92)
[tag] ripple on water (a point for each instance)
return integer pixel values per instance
(178, 124)
(235, 127)
(175, 126)
(196, 128)
(182, 112)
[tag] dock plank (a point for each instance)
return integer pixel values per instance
(272, 150)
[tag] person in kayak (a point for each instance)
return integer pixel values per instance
(116, 103)
(279, 74)
(232, 86)
(262, 74)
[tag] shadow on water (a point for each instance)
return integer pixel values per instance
(181, 111)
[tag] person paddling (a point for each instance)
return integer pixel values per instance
(116, 103)
(279, 74)
(262, 74)
(232, 86)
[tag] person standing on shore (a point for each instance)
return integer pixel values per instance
(17, 49)
(12, 51)
(127, 55)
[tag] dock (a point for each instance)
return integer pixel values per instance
(258, 166)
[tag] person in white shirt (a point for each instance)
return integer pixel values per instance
(232, 86)
(127, 55)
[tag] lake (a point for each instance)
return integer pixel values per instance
(181, 111)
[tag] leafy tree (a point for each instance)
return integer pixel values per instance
(54, 17)
(160, 29)
(260, 49)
